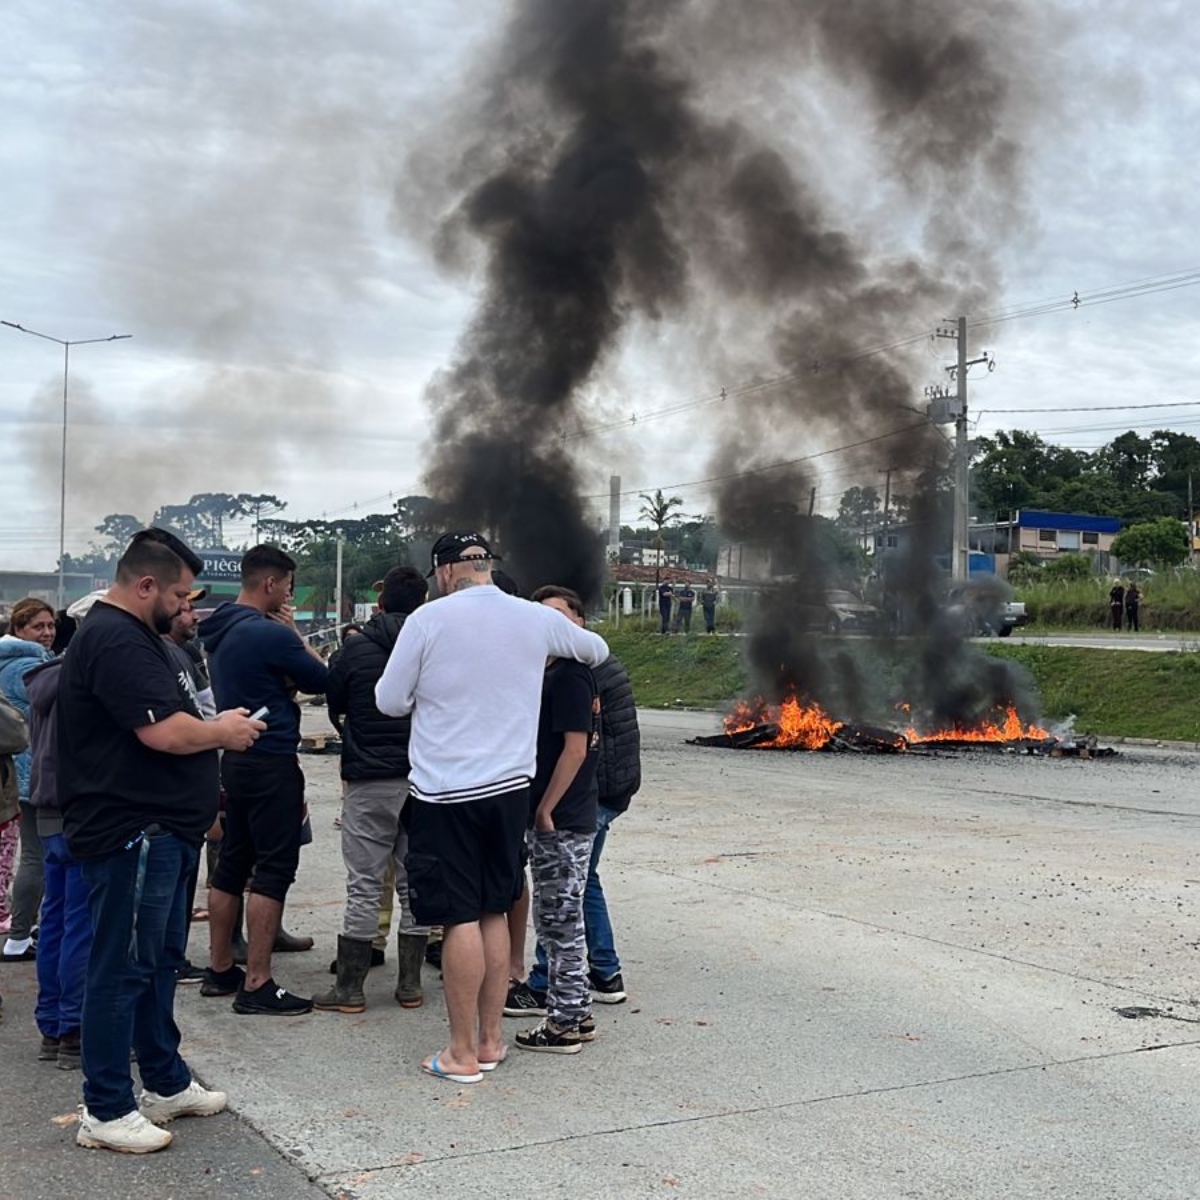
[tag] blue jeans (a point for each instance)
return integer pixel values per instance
(139, 908)
(66, 939)
(602, 953)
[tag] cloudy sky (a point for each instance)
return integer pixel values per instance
(252, 192)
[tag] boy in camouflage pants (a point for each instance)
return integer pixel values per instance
(563, 802)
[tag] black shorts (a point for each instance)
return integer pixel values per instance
(464, 859)
(264, 810)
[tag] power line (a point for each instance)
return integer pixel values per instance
(791, 462)
(1000, 412)
(1142, 287)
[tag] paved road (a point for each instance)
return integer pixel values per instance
(1106, 641)
(850, 977)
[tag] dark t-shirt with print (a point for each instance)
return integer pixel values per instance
(569, 705)
(687, 597)
(118, 676)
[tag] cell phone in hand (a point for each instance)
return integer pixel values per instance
(261, 714)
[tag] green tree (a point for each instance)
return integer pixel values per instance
(699, 540)
(1163, 542)
(659, 511)
(418, 517)
(858, 508)
(117, 529)
(1024, 567)
(1067, 568)
(1128, 461)
(260, 507)
(201, 521)
(372, 545)
(1176, 460)
(1017, 469)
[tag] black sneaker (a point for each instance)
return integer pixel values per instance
(549, 1039)
(222, 983)
(607, 991)
(587, 1029)
(271, 1000)
(523, 1001)
(48, 1050)
(189, 973)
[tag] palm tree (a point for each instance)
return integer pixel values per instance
(659, 511)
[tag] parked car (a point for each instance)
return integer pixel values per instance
(845, 613)
(983, 609)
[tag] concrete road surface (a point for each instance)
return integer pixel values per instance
(1106, 641)
(850, 976)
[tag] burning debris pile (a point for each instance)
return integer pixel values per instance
(796, 725)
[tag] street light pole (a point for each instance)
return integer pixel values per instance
(62, 495)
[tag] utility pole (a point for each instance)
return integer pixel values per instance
(1191, 525)
(881, 569)
(337, 591)
(887, 506)
(942, 410)
(62, 491)
(960, 551)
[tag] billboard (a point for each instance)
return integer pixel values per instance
(220, 566)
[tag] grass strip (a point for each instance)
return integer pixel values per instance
(1117, 693)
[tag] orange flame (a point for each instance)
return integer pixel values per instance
(803, 726)
(808, 726)
(1010, 729)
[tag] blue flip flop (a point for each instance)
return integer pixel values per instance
(436, 1071)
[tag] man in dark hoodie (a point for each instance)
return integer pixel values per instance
(375, 768)
(258, 659)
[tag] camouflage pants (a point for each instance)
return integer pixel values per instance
(558, 866)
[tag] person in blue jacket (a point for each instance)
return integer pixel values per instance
(25, 646)
(258, 661)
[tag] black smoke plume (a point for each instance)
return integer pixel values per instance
(636, 160)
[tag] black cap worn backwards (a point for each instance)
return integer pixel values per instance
(450, 546)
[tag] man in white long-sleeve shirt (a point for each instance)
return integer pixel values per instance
(469, 668)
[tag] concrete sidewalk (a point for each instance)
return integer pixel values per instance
(849, 977)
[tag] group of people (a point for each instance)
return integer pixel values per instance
(1124, 601)
(481, 733)
(682, 600)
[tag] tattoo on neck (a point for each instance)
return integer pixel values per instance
(461, 584)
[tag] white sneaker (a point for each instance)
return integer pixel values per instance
(130, 1134)
(193, 1101)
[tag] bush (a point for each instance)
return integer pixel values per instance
(1169, 604)
(1068, 568)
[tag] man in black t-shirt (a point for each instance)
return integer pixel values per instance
(563, 800)
(708, 602)
(137, 784)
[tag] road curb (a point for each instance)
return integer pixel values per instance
(1159, 743)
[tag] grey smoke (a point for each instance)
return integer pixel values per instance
(223, 179)
(603, 187)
